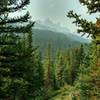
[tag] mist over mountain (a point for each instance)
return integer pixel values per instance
(45, 32)
(50, 25)
(57, 27)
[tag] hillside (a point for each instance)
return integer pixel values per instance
(58, 40)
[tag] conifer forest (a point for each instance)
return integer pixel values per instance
(44, 64)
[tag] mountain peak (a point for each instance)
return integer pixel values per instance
(48, 24)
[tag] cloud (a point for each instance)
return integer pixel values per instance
(56, 10)
(49, 8)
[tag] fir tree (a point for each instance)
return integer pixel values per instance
(38, 76)
(14, 82)
(60, 66)
(77, 55)
(49, 66)
(91, 81)
(68, 63)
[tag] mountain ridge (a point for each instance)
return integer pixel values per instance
(58, 40)
(57, 27)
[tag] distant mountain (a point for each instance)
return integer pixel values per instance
(49, 25)
(41, 38)
(47, 32)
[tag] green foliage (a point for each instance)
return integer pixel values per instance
(60, 66)
(58, 40)
(38, 75)
(49, 68)
(89, 78)
(84, 26)
(93, 5)
(16, 58)
(24, 74)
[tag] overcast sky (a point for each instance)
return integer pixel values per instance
(56, 10)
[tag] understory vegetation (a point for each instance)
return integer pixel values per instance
(26, 73)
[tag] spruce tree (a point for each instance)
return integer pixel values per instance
(76, 56)
(91, 80)
(14, 83)
(49, 73)
(38, 76)
(48, 64)
(68, 63)
(60, 66)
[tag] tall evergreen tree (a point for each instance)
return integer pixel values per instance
(38, 76)
(68, 63)
(76, 56)
(14, 82)
(91, 81)
(49, 67)
(60, 66)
